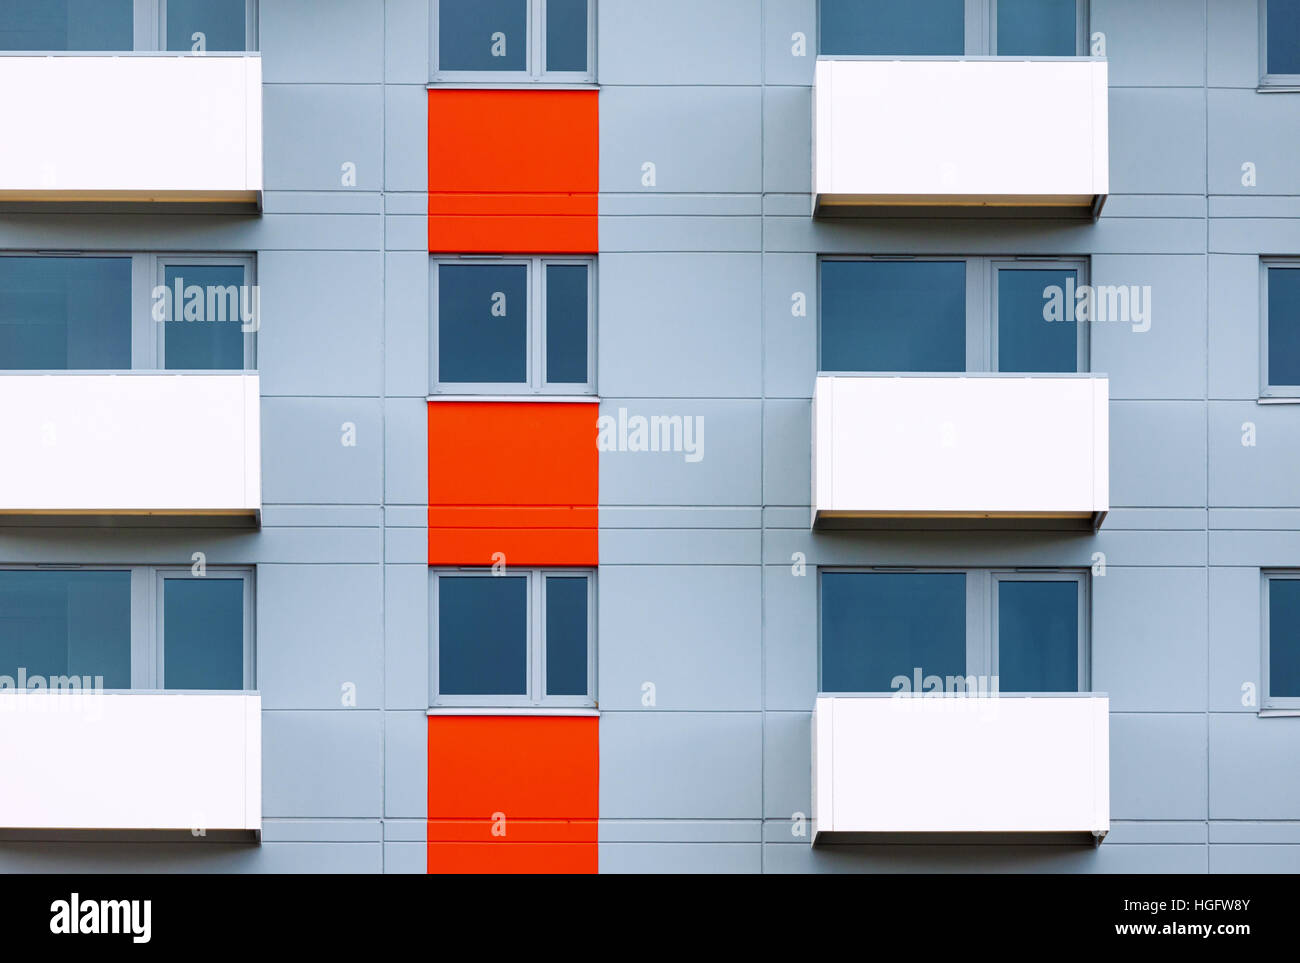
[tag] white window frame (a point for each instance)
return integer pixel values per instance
(246, 261)
(1267, 701)
(1272, 82)
(981, 306)
(982, 614)
(147, 272)
(981, 23)
(534, 71)
(147, 638)
(535, 695)
(1266, 389)
(535, 329)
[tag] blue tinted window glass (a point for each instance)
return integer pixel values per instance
(203, 327)
(1038, 636)
(1037, 28)
(893, 316)
(483, 34)
(877, 626)
(483, 323)
(1028, 341)
(483, 635)
(55, 624)
(1284, 326)
(566, 35)
(203, 633)
(66, 25)
(1283, 26)
(566, 323)
(65, 313)
(1284, 638)
(893, 27)
(566, 636)
(221, 23)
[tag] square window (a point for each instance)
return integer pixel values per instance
(893, 316)
(55, 624)
(1282, 641)
(517, 640)
(1280, 40)
(1037, 28)
(65, 313)
(512, 327)
(204, 633)
(889, 28)
(510, 40)
(1281, 329)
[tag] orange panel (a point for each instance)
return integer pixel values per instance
(520, 478)
(512, 858)
(525, 767)
(513, 171)
(534, 780)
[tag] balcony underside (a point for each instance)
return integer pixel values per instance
(963, 520)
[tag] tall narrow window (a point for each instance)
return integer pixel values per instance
(1029, 337)
(203, 633)
(1280, 41)
(1038, 634)
(1282, 329)
(211, 314)
(1282, 641)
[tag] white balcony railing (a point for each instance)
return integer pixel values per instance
(915, 447)
(133, 761)
(131, 127)
(133, 443)
(959, 132)
(892, 766)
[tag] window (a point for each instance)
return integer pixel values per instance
(210, 309)
(188, 632)
(952, 315)
(1279, 42)
(62, 313)
(512, 40)
(941, 28)
(100, 313)
(1280, 336)
(90, 26)
(513, 326)
(975, 630)
(1281, 657)
(208, 25)
(524, 638)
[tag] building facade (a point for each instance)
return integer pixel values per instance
(623, 436)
